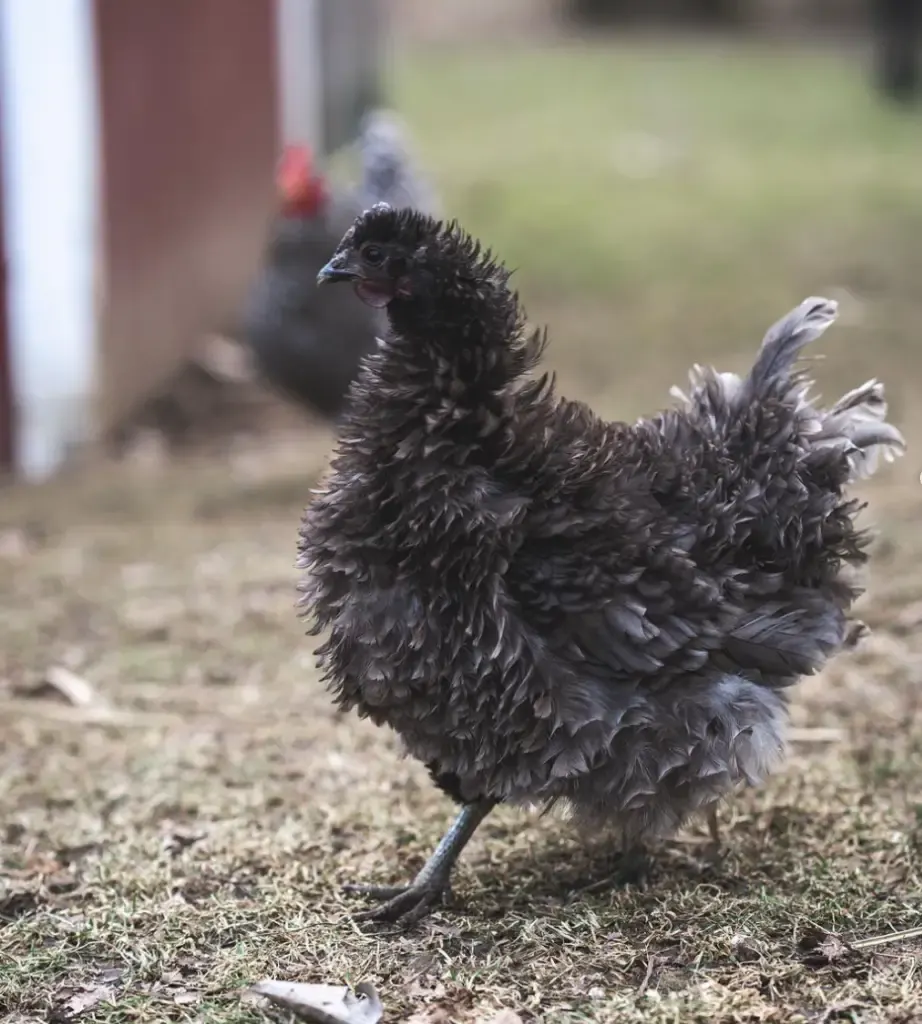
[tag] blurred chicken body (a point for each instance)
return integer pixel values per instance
(308, 344)
(549, 607)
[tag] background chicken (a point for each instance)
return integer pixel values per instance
(390, 169)
(308, 344)
(548, 607)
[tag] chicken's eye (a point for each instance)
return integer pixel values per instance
(373, 255)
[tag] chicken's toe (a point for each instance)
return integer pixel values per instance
(375, 892)
(406, 904)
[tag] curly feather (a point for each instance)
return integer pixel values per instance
(546, 606)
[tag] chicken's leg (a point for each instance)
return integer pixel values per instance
(715, 847)
(714, 826)
(410, 903)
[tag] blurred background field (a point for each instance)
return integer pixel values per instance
(665, 200)
(181, 831)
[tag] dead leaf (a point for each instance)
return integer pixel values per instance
(87, 998)
(75, 688)
(821, 948)
(324, 1004)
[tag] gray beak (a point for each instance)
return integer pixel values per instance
(334, 271)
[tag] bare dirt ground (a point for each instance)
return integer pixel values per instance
(178, 827)
(187, 834)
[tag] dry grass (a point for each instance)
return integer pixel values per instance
(161, 852)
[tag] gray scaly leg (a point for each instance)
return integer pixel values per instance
(410, 903)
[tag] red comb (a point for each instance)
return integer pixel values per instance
(297, 163)
(302, 190)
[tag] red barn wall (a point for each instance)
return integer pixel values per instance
(189, 129)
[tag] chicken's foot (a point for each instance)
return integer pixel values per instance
(411, 903)
(634, 867)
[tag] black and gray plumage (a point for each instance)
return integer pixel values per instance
(548, 607)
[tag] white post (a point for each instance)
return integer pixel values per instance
(50, 156)
(298, 27)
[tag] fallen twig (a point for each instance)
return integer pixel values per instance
(93, 715)
(816, 734)
(882, 940)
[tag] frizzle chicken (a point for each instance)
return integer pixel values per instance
(547, 607)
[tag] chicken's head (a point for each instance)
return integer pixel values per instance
(384, 255)
(302, 189)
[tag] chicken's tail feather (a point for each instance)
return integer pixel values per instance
(857, 423)
(713, 393)
(784, 340)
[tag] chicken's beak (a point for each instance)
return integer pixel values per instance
(336, 270)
